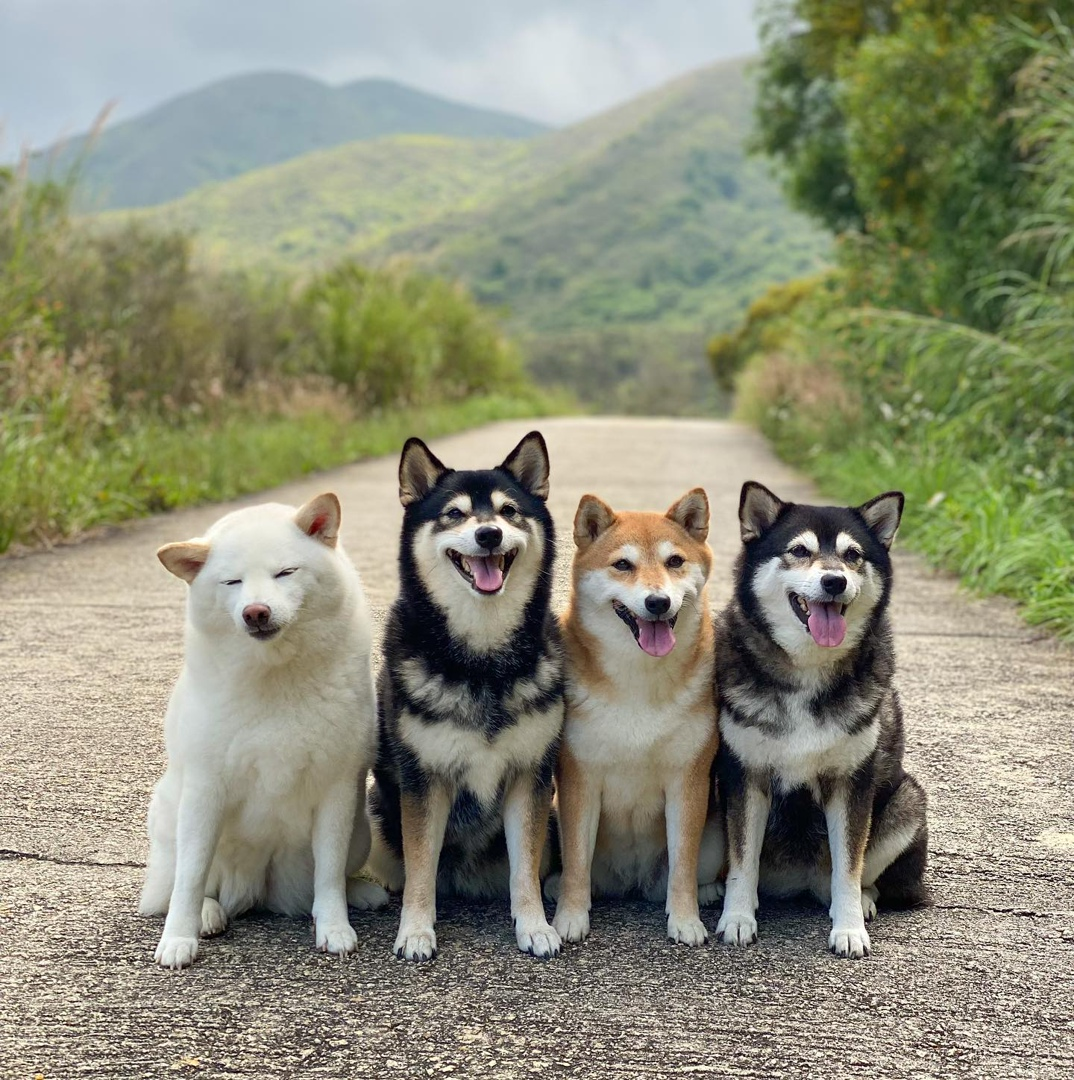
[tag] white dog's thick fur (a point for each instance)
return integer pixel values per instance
(270, 731)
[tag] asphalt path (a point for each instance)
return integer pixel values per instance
(981, 984)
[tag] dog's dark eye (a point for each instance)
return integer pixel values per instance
(674, 562)
(233, 581)
(800, 551)
(853, 555)
(288, 572)
(454, 514)
(623, 564)
(509, 512)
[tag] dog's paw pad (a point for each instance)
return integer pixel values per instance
(737, 929)
(366, 895)
(416, 945)
(176, 952)
(710, 893)
(571, 925)
(869, 897)
(687, 930)
(537, 938)
(851, 943)
(552, 885)
(339, 940)
(213, 918)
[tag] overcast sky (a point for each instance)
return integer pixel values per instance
(553, 60)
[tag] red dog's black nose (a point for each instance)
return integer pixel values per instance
(256, 616)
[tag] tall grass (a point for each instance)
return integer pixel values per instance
(131, 381)
(977, 427)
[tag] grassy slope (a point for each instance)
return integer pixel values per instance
(648, 214)
(250, 121)
(49, 494)
(651, 213)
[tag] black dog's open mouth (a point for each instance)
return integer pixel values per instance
(485, 573)
(823, 619)
(262, 633)
(653, 635)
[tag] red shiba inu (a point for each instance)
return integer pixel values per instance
(637, 813)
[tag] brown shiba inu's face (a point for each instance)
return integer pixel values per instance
(637, 573)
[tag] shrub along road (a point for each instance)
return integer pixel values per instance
(982, 984)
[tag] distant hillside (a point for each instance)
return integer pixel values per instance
(250, 121)
(616, 246)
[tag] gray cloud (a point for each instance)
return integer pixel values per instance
(554, 60)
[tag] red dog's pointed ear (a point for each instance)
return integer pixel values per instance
(184, 559)
(320, 518)
(692, 513)
(592, 518)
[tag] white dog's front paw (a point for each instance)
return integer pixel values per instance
(536, 937)
(416, 943)
(571, 924)
(176, 952)
(213, 918)
(709, 893)
(869, 896)
(366, 895)
(687, 930)
(336, 938)
(852, 942)
(737, 928)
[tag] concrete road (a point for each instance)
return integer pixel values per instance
(982, 984)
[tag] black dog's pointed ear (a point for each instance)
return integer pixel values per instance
(528, 464)
(419, 471)
(758, 509)
(883, 515)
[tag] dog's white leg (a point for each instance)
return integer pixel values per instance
(525, 821)
(361, 893)
(747, 817)
(847, 812)
(213, 917)
(685, 804)
(424, 820)
(197, 832)
(710, 860)
(333, 825)
(160, 870)
(579, 819)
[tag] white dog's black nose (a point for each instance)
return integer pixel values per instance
(657, 603)
(488, 536)
(256, 616)
(833, 584)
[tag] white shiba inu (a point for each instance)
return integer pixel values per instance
(634, 782)
(270, 732)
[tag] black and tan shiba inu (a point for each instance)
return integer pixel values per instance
(634, 779)
(810, 760)
(471, 695)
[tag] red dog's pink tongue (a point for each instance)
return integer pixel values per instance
(488, 576)
(656, 638)
(826, 624)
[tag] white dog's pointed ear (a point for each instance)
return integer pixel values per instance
(320, 518)
(883, 515)
(692, 513)
(528, 464)
(184, 559)
(758, 509)
(419, 471)
(591, 519)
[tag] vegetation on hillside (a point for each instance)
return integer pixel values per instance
(646, 227)
(132, 382)
(936, 359)
(247, 122)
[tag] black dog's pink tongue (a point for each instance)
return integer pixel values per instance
(827, 626)
(488, 574)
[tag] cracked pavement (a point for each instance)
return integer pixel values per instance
(981, 984)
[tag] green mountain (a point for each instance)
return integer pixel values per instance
(616, 247)
(250, 121)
